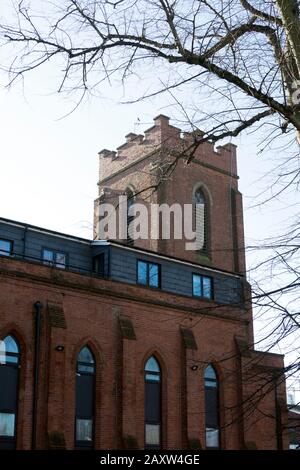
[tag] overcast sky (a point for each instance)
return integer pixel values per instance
(49, 164)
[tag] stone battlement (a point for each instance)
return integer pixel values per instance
(163, 135)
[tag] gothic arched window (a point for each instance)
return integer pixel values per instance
(85, 398)
(152, 404)
(201, 220)
(9, 378)
(212, 426)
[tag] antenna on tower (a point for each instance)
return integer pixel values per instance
(136, 124)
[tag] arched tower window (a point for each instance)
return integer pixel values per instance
(9, 378)
(212, 426)
(85, 398)
(201, 220)
(130, 218)
(152, 404)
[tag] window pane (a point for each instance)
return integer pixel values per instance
(142, 273)
(9, 351)
(48, 255)
(211, 408)
(7, 424)
(85, 368)
(197, 289)
(11, 345)
(11, 359)
(152, 365)
(212, 437)
(84, 430)
(85, 388)
(5, 247)
(8, 359)
(85, 355)
(153, 377)
(152, 436)
(153, 275)
(199, 197)
(210, 373)
(60, 260)
(207, 287)
(152, 402)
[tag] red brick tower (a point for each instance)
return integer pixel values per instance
(154, 168)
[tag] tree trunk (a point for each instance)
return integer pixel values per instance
(290, 16)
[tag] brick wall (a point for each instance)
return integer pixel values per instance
(91, 308)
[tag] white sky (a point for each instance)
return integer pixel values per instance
(49, 166)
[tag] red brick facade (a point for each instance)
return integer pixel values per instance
(89, 311)
(92, 309)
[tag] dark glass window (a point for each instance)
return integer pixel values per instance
(6, 247)
(202, 286)
(152, 404)
(98, 264)
(148, 274)
(85, 399)
(212, 428)
(201, 220)
(54, 258)
(9, 377)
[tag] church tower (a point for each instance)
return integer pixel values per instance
(157, 168)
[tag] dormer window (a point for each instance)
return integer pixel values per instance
(202, 286)
(6, 247)
(57, 259)
(148, 274)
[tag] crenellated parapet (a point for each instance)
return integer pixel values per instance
(163, 135)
